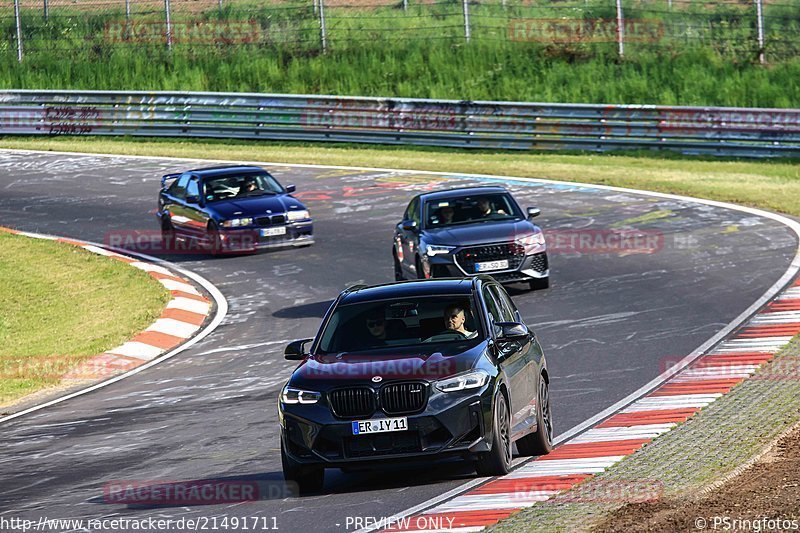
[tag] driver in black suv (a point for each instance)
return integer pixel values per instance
(455, 318)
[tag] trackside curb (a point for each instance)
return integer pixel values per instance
(188, 317)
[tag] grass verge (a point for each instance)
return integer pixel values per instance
(773, 185)
(59, 305)
(680, 464)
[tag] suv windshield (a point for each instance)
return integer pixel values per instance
(470, 210)
(241, 185)
(401, 322)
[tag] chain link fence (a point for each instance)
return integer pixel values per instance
(760, 30)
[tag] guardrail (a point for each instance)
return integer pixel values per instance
(716, 131)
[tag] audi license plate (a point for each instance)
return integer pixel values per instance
(491, 265)
(271, 232)
(380, 425)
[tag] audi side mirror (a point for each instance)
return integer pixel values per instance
(291, 188)
(410, 225)
(534, 212)
(295, 350)
(512, 331)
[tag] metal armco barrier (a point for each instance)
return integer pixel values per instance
(742, 132)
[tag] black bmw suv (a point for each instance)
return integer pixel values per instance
(470, 231)
(418, 370)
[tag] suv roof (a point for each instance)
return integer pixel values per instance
(462, 191)
(438, 286)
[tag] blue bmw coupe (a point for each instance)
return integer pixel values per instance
(232, 209)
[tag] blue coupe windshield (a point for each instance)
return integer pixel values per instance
(241, 185)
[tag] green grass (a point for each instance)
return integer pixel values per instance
(773, 185)
(60, 305)
(384, 52)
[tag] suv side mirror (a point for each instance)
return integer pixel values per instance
(295, 350)
(192, 199)
(410, 225)
(291, 188)
(512, 331)
(534, 212)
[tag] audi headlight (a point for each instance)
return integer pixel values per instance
(532, 241)
(301, 214)
(291, 395)
(471, 380)
(237, 222)
(435, 249)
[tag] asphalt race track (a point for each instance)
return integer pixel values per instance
(609, 323)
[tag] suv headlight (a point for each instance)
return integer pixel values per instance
(434, 249)
(300, 214)
(291, 395)
(532, 241)
(471, 380)
(237, 222)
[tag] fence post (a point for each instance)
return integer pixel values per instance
(316, 7)
(169, 25)
(220, 5)
(405, 6)
(46, 10)
(620, 29)
(322, 36)
(760, 15)
(19, 31)
(466, 19)
(127, 9)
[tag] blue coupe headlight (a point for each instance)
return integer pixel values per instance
(301, 214)
(237, 222)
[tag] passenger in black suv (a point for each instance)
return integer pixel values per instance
(426, 389)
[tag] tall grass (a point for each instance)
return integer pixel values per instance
(702, 59)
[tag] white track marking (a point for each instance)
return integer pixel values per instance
(101, 251)
(776, 317)
(644, 431)
(714, 372)
(147, 267)
(139, 350)
(173, 285)
(487, 502)
(677, 401)
(562, 467)
(187, 304)
(790, 294)
(176, 328)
